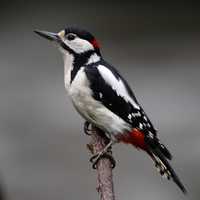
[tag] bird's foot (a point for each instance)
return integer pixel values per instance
(87, 128)
(95, 159)
(105, 153)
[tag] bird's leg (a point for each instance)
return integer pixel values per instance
(105, 153)
(87, 129)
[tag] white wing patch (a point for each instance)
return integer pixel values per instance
(93, 58)
(116, 85)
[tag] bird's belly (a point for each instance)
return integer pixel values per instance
(92, 110)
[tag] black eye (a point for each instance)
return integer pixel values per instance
(71, 36)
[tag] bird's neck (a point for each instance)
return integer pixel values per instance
(68, 66)
(73, 62)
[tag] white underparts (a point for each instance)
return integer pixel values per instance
(92, 110)
(68, 67)
(81, 95)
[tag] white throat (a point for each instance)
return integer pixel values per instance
(68, 67)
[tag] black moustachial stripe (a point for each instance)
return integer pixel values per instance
(64, 46)
(79, 61)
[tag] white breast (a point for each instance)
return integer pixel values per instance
(68, 67)
(92, 110)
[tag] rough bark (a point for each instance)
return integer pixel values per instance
(104, 167)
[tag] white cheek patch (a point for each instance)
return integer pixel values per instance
(79, 45)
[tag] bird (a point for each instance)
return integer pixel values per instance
(103, 97)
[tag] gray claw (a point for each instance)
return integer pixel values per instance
(95, 159)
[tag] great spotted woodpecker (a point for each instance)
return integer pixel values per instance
(103, 97)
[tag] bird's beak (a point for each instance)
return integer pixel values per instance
(48, 35)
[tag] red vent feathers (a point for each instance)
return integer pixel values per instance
(135, 137)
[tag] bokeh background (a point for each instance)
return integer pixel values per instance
(156, 46)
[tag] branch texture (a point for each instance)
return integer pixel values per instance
(104, 167)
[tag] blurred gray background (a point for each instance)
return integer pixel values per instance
(43, 151)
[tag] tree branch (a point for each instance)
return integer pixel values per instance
(104, 167)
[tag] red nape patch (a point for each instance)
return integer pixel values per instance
(95, 44)
(135, 137)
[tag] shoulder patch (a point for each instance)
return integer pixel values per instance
(116, 84)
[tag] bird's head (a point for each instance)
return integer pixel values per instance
(72, 40)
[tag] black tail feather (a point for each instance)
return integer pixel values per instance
(165, 151)
(164, 167)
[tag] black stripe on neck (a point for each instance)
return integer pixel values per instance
(79, 61)
(64, 46)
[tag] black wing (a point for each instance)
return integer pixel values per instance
(110, 97)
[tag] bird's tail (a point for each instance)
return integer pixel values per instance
(160, 154)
